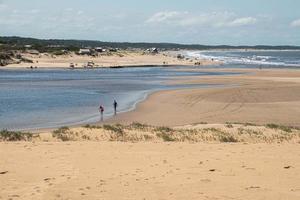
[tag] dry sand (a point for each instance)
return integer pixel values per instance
(260, 97)
(91, 170)
(124, 58)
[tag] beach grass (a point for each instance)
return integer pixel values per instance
(138, 132)
(6, 135)
(62, 133)
(281, 127)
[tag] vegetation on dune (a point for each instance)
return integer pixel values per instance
(135, 132)
(281, 127)
(14, 43)
(139, 126)
(92, 126)
(165, 133)
(6, 135)
(62, 133)
(118, 129)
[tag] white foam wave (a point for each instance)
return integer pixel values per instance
(251, 60)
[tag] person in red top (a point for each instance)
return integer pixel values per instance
(101, 110)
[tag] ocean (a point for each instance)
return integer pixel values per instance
(251, 58)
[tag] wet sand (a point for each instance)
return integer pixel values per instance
(257, 96)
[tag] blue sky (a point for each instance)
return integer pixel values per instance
(233, 22)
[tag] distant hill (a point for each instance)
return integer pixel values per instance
(19, 42)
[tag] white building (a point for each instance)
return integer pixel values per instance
(84, 51)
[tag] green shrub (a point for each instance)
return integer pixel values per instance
(118, 129)
(163, 129)
(6, 135)
(92, 126)
(165, 136)
(62, 133)
(229, 125)
(139, 126)
(280, 127)
(228, 138)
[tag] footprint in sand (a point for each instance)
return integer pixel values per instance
(252, 187)
(205, 180)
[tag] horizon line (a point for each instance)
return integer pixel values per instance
(144, 42)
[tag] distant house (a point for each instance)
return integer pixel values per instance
(84, 52)
(113, 49)
(33, 52)
(55, 46)
(99, 49)
(153, 50)
(28, 46)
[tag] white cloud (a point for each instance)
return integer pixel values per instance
(3, 7)
(244, 21)
(214, 19)
(295, 23)
(163, 16)
(34, 11)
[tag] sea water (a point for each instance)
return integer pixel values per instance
(251, 58)
(49, 98)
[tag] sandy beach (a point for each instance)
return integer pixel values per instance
(255, 96)
(199, 157)
(118, 59)
(91, 170)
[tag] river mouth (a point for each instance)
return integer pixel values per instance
(36, 99)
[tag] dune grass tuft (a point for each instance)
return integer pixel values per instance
(280, 127)
(117, 128)
(6, 135)
(62, 133)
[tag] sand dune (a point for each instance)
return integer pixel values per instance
(124, 58)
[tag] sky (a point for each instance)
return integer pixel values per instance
(210, 22)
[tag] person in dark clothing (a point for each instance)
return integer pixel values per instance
(115, 106)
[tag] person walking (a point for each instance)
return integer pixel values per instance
(115, 106)
(101, 110)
